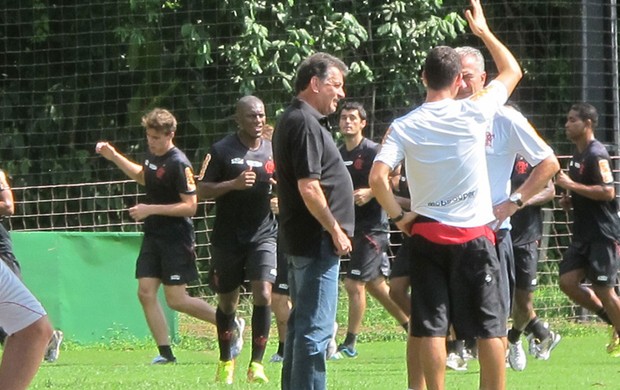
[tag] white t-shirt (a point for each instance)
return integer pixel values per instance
(443, 145)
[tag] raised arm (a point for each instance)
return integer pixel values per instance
(131, 169)
(509, 70)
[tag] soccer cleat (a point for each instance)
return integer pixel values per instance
(53, 348)
(256, 373)
(455, 362)
(544, 348)
(236, 344)
(162, 360)
(347, 351)
(276, 358)
(225, 372)
(613, 348)
(531, 342)
(516, 356)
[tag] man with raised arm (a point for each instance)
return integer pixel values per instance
(455, 277)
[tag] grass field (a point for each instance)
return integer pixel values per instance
(579, 362)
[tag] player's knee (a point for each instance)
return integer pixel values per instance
(354, 287)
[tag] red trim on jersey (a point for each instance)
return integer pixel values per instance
(450, 235)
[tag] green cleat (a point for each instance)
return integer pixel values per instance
(225, 372)
(256, 373)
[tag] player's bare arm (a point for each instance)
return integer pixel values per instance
(379, 180)
(133, 170)
(185, 208)
(509, 70)
(598, 192)
(314, 199)
(213, 190)
(7, 205)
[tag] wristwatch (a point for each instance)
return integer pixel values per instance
(516, 199)
(399, 217)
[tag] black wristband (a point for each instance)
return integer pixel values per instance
(400, 216)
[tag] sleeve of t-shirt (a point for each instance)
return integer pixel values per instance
(308, 150)
(213, 172)
(525, 140)
(489, 100)
(185, 182)
(601, 167)
(391, 151)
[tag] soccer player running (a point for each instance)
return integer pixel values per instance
(455, 273)
(369, 266)
(239, 178)
(593, 252)
(526, 233)
(167, 253)
(508, 135)
(315, 196)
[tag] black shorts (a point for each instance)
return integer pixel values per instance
(231, 267)
(170, 259)
(456, 284)
(599, 259)
(280, 285)
(368, 259)
(526, 265)
(400, 264)
(503, 245)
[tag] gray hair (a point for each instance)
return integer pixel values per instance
(465, 51)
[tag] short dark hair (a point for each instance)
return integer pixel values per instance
(586, 111)
(355, 106)
(316, 65)
(160, 120)
(442, 66)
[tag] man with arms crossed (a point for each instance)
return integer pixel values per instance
(508, 135)
(239, 178)
(593, 252)
(369, 266)
(316, 217)
(167, 254)
(455, 272)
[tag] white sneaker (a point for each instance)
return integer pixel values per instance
(236, 344)
(516, 356)
(332, 347)
(531, 342)
(456, 362)
(53, 348)
(544, 348)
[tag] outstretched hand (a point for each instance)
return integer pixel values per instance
(475, 18)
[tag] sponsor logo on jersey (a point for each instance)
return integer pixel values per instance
(606, 175)
(189, 178)
(205, 165)
(254, 163)
(237, 161)
(348, 163)
(458, 198)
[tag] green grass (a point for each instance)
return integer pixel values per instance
(579, 362)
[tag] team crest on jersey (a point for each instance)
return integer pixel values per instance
(358, 164)
(189, 178)
(160, 172)
(489, 139)
(606, 175)
(270, 167)
(480, 94)
(521, 167)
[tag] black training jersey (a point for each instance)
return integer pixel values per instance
(593, 219)
(304, 149)
(166, 177)
(241, 216)
(526, 222)
(358, 162)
